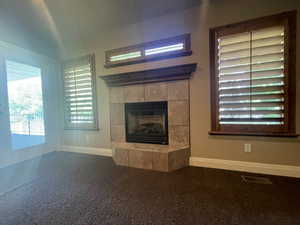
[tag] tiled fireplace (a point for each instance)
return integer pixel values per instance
(150, 120)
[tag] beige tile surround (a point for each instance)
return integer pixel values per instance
(152, 156)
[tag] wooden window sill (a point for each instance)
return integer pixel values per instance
(290, 135)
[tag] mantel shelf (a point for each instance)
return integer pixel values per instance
(180, 72)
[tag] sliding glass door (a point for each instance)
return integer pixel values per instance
(23, 104)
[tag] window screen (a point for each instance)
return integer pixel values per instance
(80, 97)
(251, 78)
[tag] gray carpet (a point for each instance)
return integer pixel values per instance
(76, 189)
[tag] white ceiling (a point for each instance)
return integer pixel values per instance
(62, 21)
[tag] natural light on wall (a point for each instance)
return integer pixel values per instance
(25, 105)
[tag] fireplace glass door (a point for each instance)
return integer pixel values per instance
(147, 122)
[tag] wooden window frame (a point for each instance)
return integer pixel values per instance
(95, 127)
(288, 20)
(186, 51)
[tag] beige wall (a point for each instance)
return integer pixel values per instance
(196, 21)
(13, 32)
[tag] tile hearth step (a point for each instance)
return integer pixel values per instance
(155, 157)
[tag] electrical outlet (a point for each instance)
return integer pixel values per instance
(247, 148)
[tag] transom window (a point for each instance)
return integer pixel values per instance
(252, 76)
(165, 48)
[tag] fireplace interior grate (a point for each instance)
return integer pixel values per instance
(257, 180)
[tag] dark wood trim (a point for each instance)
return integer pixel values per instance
(180, 72)
(186, 38)
(288, 20)
(257, 23)
(213, 81)
(94, 90)
(254, 134)
(292, 31)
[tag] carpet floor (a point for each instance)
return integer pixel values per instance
(76, 189)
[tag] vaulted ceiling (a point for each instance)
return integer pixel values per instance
(62, 21)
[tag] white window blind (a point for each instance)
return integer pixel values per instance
(80, 98)
(251, 77)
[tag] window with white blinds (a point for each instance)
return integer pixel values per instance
(251, 78)
(79, 90)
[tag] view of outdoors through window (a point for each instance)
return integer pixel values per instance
(25, 105)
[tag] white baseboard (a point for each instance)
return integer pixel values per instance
(87, 150)
(251, 167)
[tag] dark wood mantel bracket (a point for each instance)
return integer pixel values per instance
(180, 72)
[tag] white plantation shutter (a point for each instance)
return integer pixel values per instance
(251, 77)
(80, 98)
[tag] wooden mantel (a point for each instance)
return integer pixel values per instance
(179, 72)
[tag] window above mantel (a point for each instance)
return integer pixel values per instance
(149, 51)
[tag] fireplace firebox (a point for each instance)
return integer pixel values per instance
(147, 122)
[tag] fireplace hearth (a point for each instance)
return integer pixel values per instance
(147, 122)
(149, 117)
